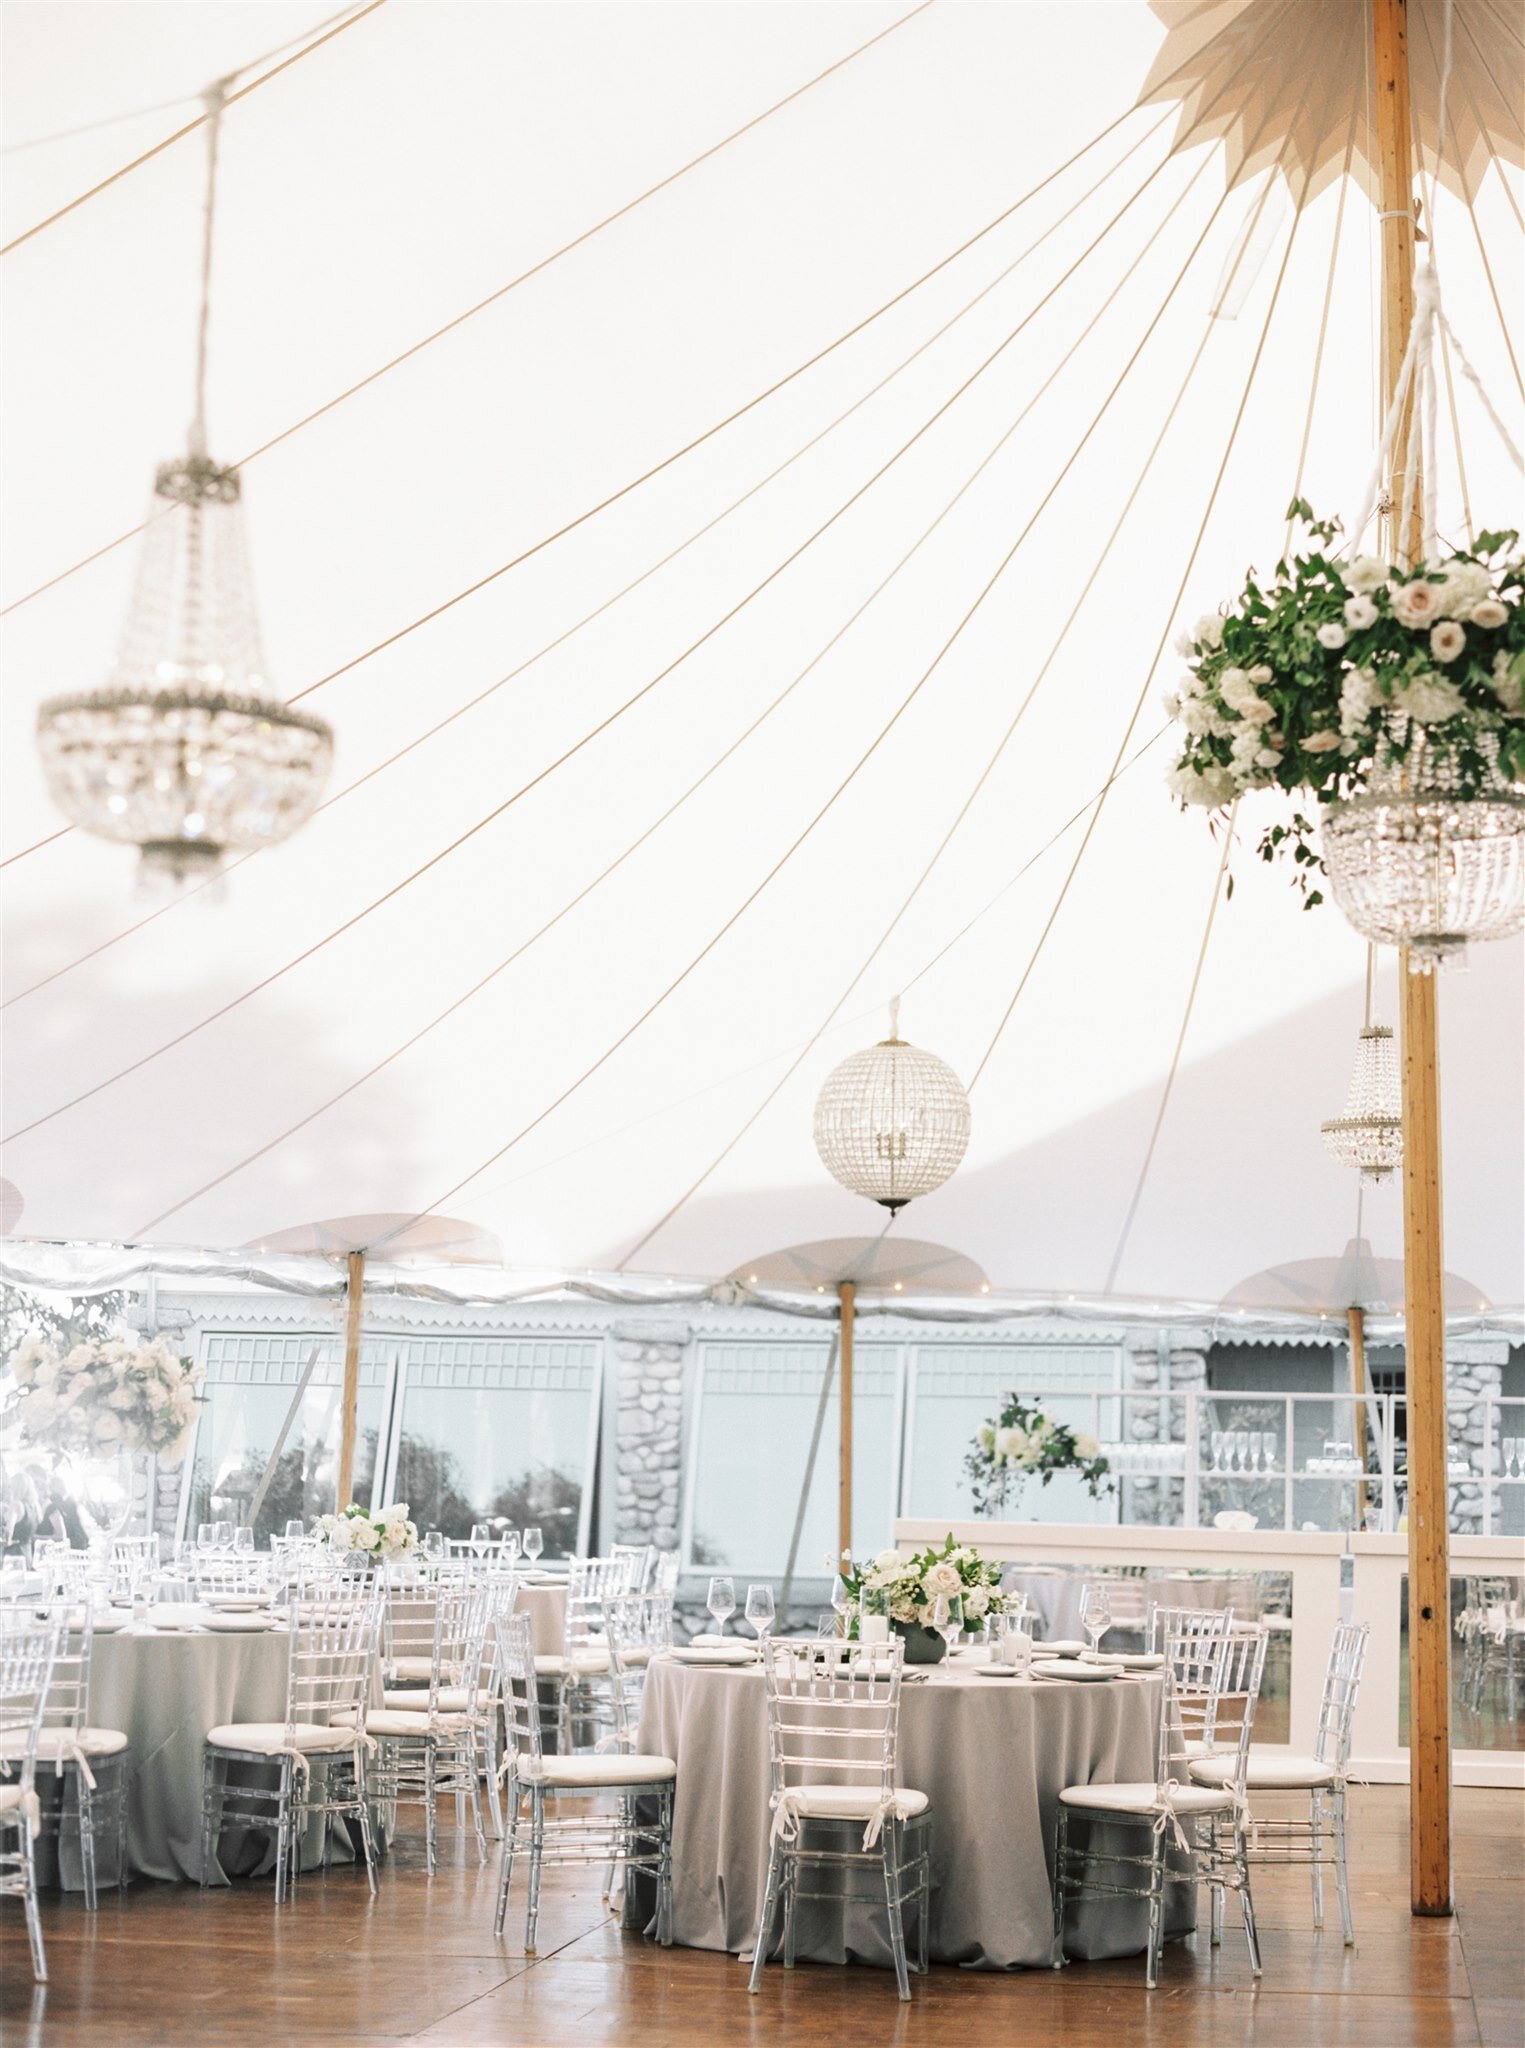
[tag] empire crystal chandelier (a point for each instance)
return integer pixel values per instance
(892, 1122)
(182, 752)
(1369, 1134)
(1414, 863)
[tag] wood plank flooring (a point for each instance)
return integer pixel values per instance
(167, 1966)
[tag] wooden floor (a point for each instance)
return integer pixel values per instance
(165, 1966)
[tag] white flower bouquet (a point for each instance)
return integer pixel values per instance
(1023, 1443)
(1334, 669)
(102, 1396)
(384, 1532)
(911, 1584)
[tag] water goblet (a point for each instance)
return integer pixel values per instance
(510, 1547)
(206, 1536)
(760, 1609)
(1095, 1615)
(434, 1545)
(721, 1602)
(295, 1529)
(534, 1543)
(481, 1536)
(222, 1536)
(1268, 1440)
(947, 1617)
(1220, 1444)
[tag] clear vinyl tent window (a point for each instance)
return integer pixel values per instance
(497, 1429)
(953, 1388)
(251, 1381)
(755, 1408)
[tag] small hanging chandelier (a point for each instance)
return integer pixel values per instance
(892, 1122)
(182, 753)
(1412, 863)
(1369, 1135)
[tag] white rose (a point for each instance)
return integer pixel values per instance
(1321, 742)
(1508, 684)
(1331, 635)
(1184, 644)
(1197, 717)
(1261, 674)
(1366, 573)
(1464, 586)
(1211, 786)
(1208, 631)
(1010, 1444)
(1490, 613)
(1430, 699)
(1447, 640)
(1415, 604)
(1360, 613)
(976, 1600)
(943, 1578)
(1359, 696)
(888, 1561)
(1086, 1446)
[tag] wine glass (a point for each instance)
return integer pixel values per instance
(510, 1547)
(1268, 1440)
(1096, 1615)
(722, 1602)
(481, 1536)
(222, 1535)
(1220, 1445)
(841, 1603)
(243, 1541)
(760, 1609)
(295, 1529)
(206, 1536)
(534, 1543)
(947, 1617)
(434, 1545)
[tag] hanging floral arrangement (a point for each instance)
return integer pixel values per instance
(101, 1396)
(1334, 677)
(1023, 1443)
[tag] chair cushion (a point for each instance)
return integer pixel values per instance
(10, 1798)
(582, 1663)
(1144, 1798)
(389, 1721)
(1267, 1772)
(451, 1699)
(611, 1769)
(267, 1737)
(853, 1802)
(418, 1669)
(51, 1744)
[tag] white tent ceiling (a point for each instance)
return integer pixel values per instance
(412, 167)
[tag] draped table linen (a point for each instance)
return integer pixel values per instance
(991, 1754)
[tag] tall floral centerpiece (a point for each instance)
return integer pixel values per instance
(97, 1406)
(1396, 699)
(369, 1534)
(1023, 1443)
(911, 1584)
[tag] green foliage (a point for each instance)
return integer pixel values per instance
(1023, 1443)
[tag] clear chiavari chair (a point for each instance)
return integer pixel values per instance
(664, 1572)
(833, 1745)
(579, 1672)
(635, 1835)
(320, 1748)
(429, 1733)
(1320, 1838)
(28, 1647)
(1493, 1642)
(1226, 1668)
(88, 1765)
(637, 1561)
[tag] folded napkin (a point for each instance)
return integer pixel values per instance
(714, 1642)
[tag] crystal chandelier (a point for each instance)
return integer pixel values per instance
(181, 752)
(1369, 1135)
(892, 1122)
(1413, 862)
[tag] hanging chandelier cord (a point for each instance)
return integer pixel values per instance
(190, 127)
(524, 947)
(620, 711)
(1148, 683)
(215, 99)
(1120, 1249)
(544, 263)
(187, 895)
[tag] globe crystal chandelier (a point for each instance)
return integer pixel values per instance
(892, 1122)
(182, 752)
(1413, 863)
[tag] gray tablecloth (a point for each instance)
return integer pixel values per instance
(991, 1754)
(546, 1607)
(1054, 1600)
(164, 1692)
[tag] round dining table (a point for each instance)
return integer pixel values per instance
(992, 1754)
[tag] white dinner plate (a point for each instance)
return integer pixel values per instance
(995, 1670)
(239, 1624)
(1130, 1660)
(1063, 1648)
(1073, 1668)
(108, 1624)
(239, 1603)
(739, 1655)
(173, 1615)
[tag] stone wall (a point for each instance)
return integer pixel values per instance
(1160, 1370)
(649, 1430)
(1472, 1371)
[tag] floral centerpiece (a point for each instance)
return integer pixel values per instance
(102, 1396)
(1335, 674)
(911, 1585)
(383, 1532)
(1023, 1443)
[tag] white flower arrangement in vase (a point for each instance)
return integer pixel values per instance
(101, 1397)
(382, 1532)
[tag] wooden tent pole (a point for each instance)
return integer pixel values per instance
(1356, 1318)
(349, 1400)
(1423, 1251)
(847, 1295)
